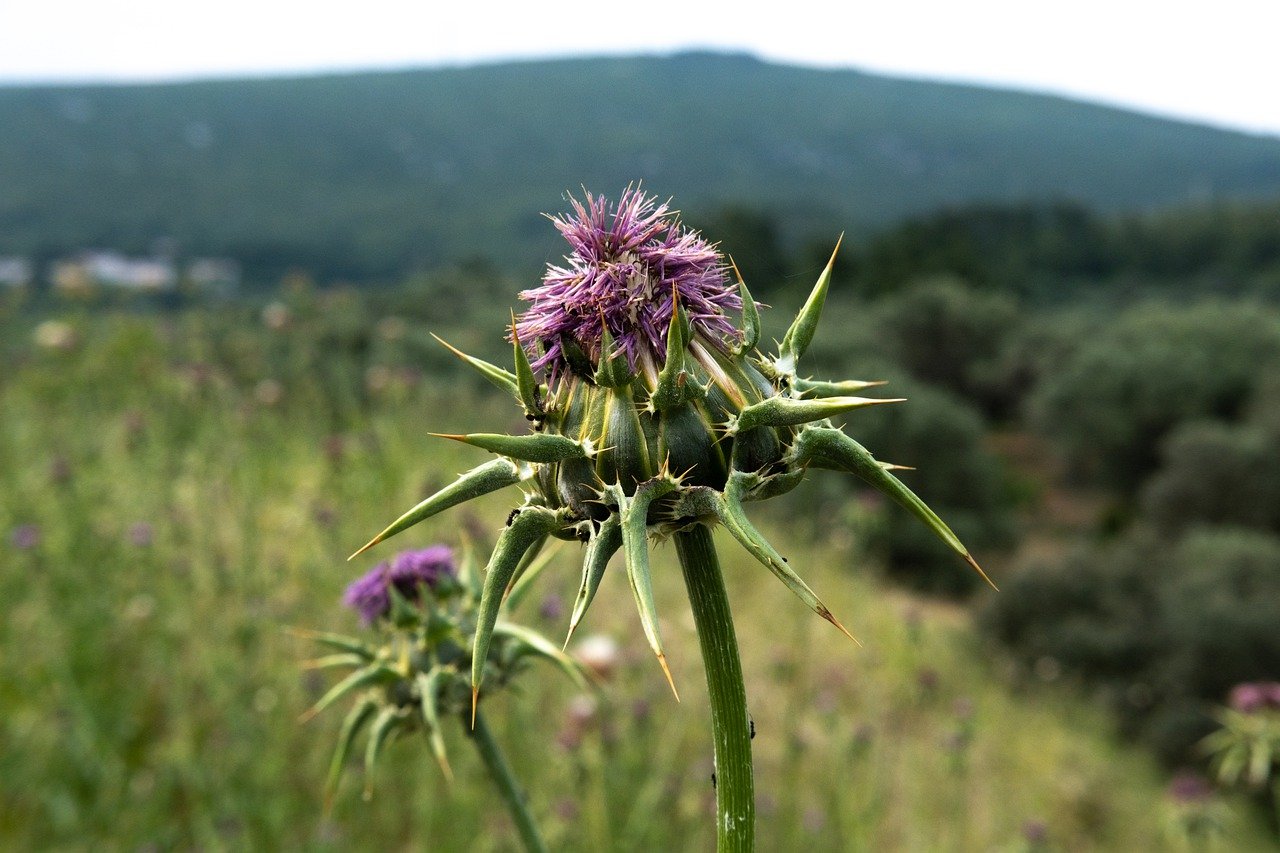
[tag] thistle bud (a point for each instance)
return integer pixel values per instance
(414, 671)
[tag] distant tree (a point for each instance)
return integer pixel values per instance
(947, 334)
(1112, 402)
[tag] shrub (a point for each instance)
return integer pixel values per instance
(947, 334)
(1111, 404)
(965, 483)
(1164, 629)
(1216, 473)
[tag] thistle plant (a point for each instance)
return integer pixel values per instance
(414, 674)
(1246, 749)
(653, 416)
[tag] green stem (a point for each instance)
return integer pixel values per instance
(491, 753)
(730, 725)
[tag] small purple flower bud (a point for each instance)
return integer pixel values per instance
(1189, 788)
(428, 567)
(141, 534)
(370, 594)
(1254, 696)
(25, 537)
(367, 595)
(552, 607)
(1035, 832)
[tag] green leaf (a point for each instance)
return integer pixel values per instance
(481, 480)
(815, 388)
(387, 721)
(529, 448)
(531, 565)
(526, 384)
(634, 512)
(787, 411)
(373, 674)
(351, 726)
(335, 641)
(826, 447)
(428, 690)
(735, 520)
(536, 644)
(800, 335)
(750, 317)
(530, 524)
(673, 386)
(499, 377)
(603, 545)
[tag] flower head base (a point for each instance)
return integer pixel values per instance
(658, 415)
(629, 266)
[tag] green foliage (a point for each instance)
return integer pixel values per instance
(949, 336)
(1216, 473)
(1111, 402)
(149, 694)
(367, 176)
(1166, 629)
(955, 474)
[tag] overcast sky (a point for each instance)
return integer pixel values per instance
(1214, 62)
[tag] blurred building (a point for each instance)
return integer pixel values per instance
(94, 269)
(213, 274)
(16, 272)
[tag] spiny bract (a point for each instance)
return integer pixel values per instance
(658, 413)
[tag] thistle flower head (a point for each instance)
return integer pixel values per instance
(413, 673)
(627, 263)
(659, 415)
(370, 594)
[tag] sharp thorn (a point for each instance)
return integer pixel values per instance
(969, 559)
(662, 661)
(826, 614)
(374, 541)
(475, 697)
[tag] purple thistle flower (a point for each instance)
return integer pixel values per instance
(427, 566)
(141, 534)
(25, 537)
(1189, 788)
(370, 594)
(1255, 696)
(626, 260)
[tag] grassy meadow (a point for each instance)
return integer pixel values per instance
(178, 490)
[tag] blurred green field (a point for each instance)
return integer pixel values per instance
(178, 490)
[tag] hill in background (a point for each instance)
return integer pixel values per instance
(368, 176)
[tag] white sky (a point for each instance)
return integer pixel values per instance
(1215, 62)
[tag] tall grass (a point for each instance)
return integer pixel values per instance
(189, 511)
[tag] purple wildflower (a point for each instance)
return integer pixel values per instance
(370, 594)
(1189, 788)
(25, 537)
(1255, 696)
(626, 260)
(141, 534)
(427, 566)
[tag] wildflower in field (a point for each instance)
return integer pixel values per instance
(1252, 697)
(413, 672)
(370, 594)
(141, 534)
(1246, 747)
(654, 416)
(25, 537)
